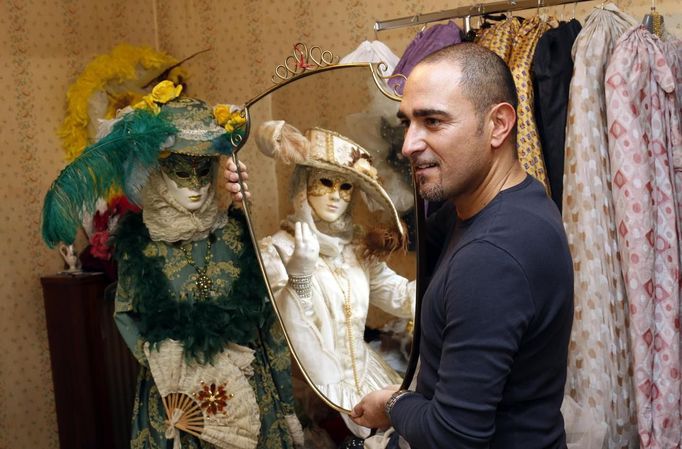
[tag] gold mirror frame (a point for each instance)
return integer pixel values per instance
(292, 70)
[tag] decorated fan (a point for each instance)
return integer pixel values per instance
(214, 402)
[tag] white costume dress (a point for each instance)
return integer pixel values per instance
(327, 342)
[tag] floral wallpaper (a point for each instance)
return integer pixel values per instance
(45, 44)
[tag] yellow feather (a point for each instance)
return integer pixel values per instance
(123, 71)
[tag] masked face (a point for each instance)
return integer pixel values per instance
(188, 179)
(329, 194)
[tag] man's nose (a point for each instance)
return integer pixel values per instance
(413, 142)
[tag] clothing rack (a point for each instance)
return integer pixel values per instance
(468, 11)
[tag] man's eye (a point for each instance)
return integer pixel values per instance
(326, 182)
(182, 174)
(431, 122)
(204, 172)
(346, 186)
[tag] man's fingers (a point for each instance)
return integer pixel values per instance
(357, 411)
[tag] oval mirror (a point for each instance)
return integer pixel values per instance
(323, 151)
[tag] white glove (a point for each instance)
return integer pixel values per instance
(306, 252)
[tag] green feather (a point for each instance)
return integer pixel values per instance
(203, 327)
(133, 145)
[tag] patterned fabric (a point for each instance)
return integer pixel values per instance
(600, 367)
(527, 138)
(516, 45)
(271, 380)
(500, 37)
(639, 93)
(672, 48)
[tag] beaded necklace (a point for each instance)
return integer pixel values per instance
(204, 284)
(347, 314)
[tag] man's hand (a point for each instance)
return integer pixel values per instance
(232, 181)
(369, 412)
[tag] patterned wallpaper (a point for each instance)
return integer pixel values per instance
(45, 44)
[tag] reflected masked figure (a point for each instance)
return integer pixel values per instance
(325, 270)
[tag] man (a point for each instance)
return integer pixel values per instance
(497, 314)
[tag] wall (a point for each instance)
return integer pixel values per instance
(44, 45)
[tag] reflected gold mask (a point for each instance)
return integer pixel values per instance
(324, 183)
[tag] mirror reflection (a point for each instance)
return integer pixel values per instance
(330, 207)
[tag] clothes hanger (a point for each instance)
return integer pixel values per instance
(653, 21)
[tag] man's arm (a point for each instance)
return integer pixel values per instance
(487, 309)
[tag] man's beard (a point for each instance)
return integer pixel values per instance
(430, 191)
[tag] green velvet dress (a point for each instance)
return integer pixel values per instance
(236, 311)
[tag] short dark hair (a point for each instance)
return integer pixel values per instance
(486, 79)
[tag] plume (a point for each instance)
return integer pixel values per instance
(130, 149)
(280, 140)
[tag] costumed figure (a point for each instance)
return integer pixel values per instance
(190, 301)
(325, 270)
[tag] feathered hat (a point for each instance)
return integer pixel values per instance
(130, 150)
(327, 150)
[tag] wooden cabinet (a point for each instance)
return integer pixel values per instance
(94, 374)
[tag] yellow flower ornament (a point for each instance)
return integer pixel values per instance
(162, 93)
(229, 116)
(166, 91)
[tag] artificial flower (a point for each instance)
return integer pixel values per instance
(99, 247)
(148, 103)
(363, 166)
(165, 91)
(222, 113)
(229, 117)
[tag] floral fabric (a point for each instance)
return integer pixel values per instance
(599, 365)
(640, 92)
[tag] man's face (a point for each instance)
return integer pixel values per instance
(188, 179)
(445, 139)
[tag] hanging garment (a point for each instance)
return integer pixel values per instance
(523, 38)
(375, 51)
(500, 37)
(552, 72)
(527, 138)
(639, 85)
(672, 48)
(425, 42)
(599, 365)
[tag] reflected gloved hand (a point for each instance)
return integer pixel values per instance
(306, 252)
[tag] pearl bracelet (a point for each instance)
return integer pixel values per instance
(302, 285)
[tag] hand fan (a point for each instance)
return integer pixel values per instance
(214, 402)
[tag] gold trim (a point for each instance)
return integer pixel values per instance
(368, 65)
(303, 60)
(247, 214)
(381, 80)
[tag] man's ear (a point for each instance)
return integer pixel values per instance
(503, 119)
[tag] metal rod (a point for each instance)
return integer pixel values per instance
(464, 11)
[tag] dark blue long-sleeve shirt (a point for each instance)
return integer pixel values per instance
(495, 325)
